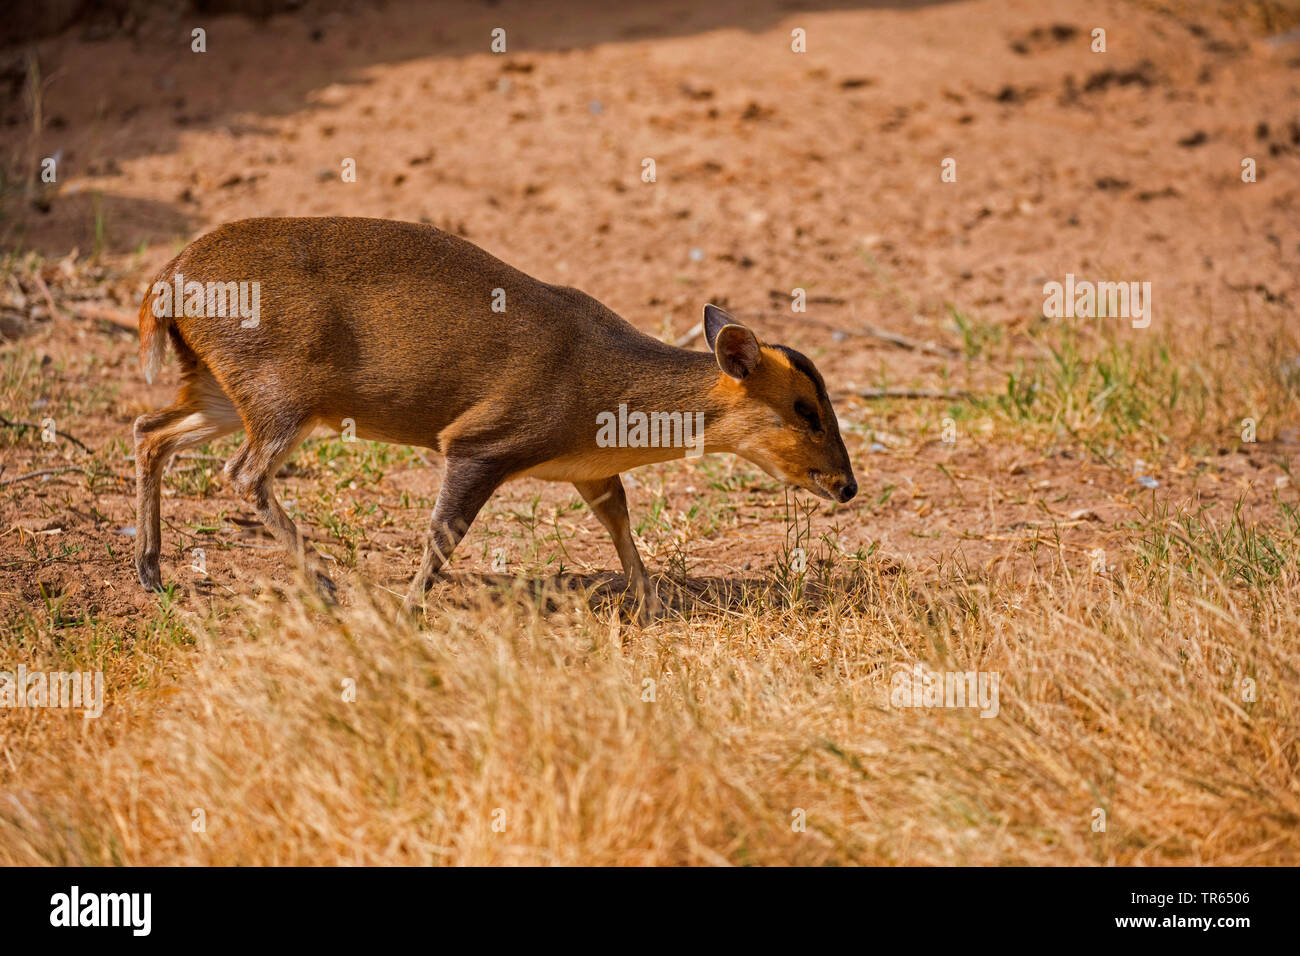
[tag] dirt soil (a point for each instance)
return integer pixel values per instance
(774, 170)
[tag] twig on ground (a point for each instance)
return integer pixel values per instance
(49, 299)
(9, 423)
(38, 474)
(910, 393)
(89, 310)
(684, 340)
(867, 331)
(902, 341)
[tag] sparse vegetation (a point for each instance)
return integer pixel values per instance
(1105, 517)
(1121, 693)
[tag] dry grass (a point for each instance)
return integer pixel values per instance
(1122, 693)
(1119, 692)
(1160, 695)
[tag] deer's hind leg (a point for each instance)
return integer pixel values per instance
(272, 439)
(201, 412)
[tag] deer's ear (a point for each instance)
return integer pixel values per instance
(736, 349)
(714, 319)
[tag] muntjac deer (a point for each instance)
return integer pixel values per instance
(422, 338)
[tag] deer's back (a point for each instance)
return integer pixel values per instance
(390, 324)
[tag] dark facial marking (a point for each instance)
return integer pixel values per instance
(801, 362)
(808, 414)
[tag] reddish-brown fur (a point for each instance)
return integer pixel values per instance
(391, 325)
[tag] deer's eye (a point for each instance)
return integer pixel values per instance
(808, 414)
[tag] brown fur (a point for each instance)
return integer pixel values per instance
(390, 324)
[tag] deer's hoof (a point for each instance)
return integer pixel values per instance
(149, 573)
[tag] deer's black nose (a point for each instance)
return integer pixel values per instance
(849, 490)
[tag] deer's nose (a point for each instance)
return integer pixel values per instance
(849, 490)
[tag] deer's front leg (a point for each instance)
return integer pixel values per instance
(608, 500)
(466, 487)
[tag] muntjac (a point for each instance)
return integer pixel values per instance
(421, 338)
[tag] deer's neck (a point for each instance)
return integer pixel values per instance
(667, 381)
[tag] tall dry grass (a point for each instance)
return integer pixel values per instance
(1159, 698)
(1121, 694)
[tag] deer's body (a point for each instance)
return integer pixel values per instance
(391, 325)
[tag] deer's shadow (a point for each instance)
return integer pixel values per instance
(607, 593)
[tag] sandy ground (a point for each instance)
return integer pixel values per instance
(774, 170)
